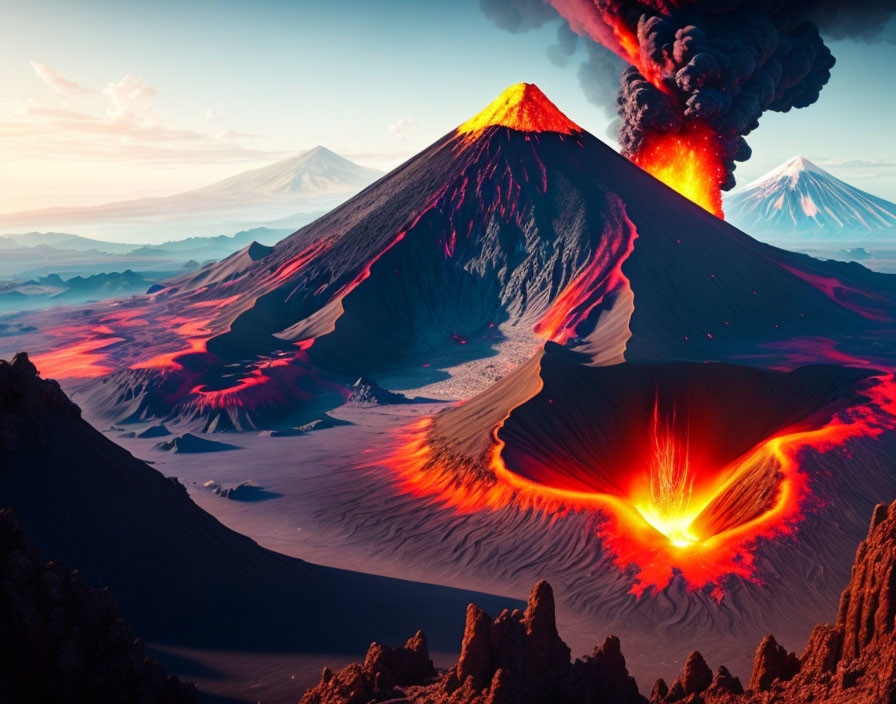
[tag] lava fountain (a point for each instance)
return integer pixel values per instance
(691, 485)
(689, 162)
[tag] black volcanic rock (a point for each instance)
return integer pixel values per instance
(61, 641)
(25, 401)
(366, 392)
(154, 431)
(244, 491)
(190, 443)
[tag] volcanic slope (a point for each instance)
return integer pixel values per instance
(516, 228)
(799, 200)
(180, 577)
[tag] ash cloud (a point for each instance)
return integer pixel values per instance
(722, 63)
(598, 73)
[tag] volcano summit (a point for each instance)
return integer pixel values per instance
(648, 405)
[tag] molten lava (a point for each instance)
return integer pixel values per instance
(688, 162)
(671, 486)
(521, 107)
(671, 514)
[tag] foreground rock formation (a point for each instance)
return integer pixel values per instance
(519, 657)
(61, 641)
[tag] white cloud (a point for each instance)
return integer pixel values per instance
(58, 83)
(226, 134)
(212, 116)
(119, 122)
(400, 128)
(132, 101)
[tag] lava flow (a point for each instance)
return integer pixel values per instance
(688, 162)
(675, 512)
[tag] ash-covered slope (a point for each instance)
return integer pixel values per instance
(519, 657)
(180, 576)
(799, 200)
(516, 227)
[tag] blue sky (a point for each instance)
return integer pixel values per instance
(104, 100)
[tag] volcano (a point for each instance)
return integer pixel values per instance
(674, 402)
(801, 200)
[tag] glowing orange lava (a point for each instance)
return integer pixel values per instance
(688, 162)
(671, 516)
(76, 361)
(521, 107)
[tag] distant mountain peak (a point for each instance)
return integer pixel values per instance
(792, 169)
(799, 198)
(521, 107)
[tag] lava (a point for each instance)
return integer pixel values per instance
(601, 277)
(521, 107)
(670, 515)
(688, 162)
(76, 361)
(870, 307)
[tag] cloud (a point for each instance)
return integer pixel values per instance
(120, 122)
(132, 101)
(58, 83)
(212, 116)
(400, 128)
(227, 134)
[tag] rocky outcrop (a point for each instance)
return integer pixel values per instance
(772, 662)
(61, 641)
(383, 671)
(519, 657)
(192, 443)
(25, 400)
(851, 662)
(366, 392)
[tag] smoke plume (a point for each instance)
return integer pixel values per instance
(697, 64)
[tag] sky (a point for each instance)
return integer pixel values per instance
(102, 100)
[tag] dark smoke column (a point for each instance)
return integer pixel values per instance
(702, 73)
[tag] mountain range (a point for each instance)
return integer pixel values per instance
(313, 180)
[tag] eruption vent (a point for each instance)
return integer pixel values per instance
(700, 73)
(521, 107)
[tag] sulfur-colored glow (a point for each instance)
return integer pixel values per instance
(688, 162)
(520, 107)
(703, 522)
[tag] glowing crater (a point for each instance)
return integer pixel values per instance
(687, 493)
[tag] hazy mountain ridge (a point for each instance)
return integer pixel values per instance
(314, 180)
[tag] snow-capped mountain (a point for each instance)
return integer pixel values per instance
(311, 181)
(799, 199)
(317, 171)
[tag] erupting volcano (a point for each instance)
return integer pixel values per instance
(644, 398)
(700, 73)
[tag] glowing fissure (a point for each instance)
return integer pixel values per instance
(589, 289)
(689, 533)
